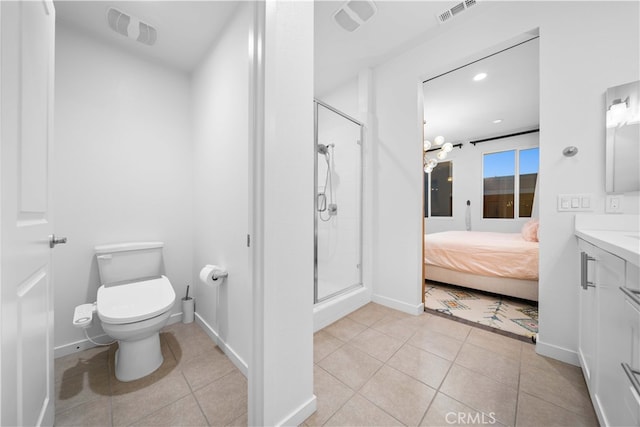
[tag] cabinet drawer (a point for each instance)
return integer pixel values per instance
(631, 396)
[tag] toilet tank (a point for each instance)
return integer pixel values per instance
(129, 262)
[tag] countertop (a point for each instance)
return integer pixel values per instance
(625, 244)
(616, 234)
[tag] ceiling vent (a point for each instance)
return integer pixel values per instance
(354, 13)
(447, 14)
(131, 27)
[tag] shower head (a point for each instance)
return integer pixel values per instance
(323, 149)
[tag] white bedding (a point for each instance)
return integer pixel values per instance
(483, 253)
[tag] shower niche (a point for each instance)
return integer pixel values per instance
(338, 203)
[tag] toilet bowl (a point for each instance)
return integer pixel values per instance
(134, 302)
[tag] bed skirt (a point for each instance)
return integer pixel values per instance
(519, 288)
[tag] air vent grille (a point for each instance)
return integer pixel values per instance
(130, 27)
(447, 14)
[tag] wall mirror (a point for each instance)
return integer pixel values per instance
(623, 138)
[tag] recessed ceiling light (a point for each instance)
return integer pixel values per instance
(496, 121)
(479, 76)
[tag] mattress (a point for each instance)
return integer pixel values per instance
(483, 253)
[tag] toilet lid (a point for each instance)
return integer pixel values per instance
(135, 301)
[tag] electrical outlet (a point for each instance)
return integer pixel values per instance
(613, 203)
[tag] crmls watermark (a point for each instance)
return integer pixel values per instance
(470, 418)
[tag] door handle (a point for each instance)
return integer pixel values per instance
(53, 240)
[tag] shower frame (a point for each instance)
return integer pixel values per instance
(316, 103)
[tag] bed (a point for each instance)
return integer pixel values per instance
(502, 263)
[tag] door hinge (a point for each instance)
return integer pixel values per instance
(248, 240)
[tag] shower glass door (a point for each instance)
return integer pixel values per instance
(338, 202)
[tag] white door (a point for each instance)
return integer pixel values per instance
(26, 133)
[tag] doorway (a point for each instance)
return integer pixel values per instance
(480, 159)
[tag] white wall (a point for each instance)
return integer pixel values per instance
(585, 47)
(123, 158)
(281, 382)
(344, 98)
(220, 91)
(468, 185)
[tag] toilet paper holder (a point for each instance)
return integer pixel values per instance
(213, 274)
(219, 274)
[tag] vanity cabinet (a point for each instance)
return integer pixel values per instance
(609, 334)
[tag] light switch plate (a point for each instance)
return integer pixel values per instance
(575, 202)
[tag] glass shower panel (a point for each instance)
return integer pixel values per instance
(338, 213)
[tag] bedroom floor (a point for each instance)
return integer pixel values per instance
(513, 317)
(379, 366)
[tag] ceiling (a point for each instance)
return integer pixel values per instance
(455, 106)
(186, 29)
(461, 109)
(396, 27)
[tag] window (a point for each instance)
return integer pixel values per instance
(508, 190)
(438, 191)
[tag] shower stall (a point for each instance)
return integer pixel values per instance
(338, 202)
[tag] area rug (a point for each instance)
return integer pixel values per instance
(509, 315)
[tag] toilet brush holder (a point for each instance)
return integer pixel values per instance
(188, 306)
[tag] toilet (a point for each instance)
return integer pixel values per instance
(134, 302)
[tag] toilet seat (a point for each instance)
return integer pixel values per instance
(135, 301)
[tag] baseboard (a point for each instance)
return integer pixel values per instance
(556, 352)
(398, 305)
(325, 313)
(85, 344)
(303, 412)
(231, 354)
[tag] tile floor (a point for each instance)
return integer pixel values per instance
(375, 367)
(382, 367)
(195, 386)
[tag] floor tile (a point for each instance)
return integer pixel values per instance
(241, 421)
(206, 368)
(563, 387)
(535, 412)
(401, 328)
(324, 344)
(78, 389)
(132, 406)
(436, 343)
(506, 346)
(401, 396)
(421, 365)
(331, 395)
(93, 359)
(481, 393)
(224, 400)
(445, 411)
(448, 327)
(369, 314)
(345, 329)
(376, 344)
(96, 413)
(351, 366)
(183, 412)
(358, 411)
(187, 341)
(494, 365)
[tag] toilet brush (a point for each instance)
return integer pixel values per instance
(187, 308)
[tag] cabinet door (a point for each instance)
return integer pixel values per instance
(587, 331)
(614, 346)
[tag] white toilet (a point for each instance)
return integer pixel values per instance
(134, 303)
